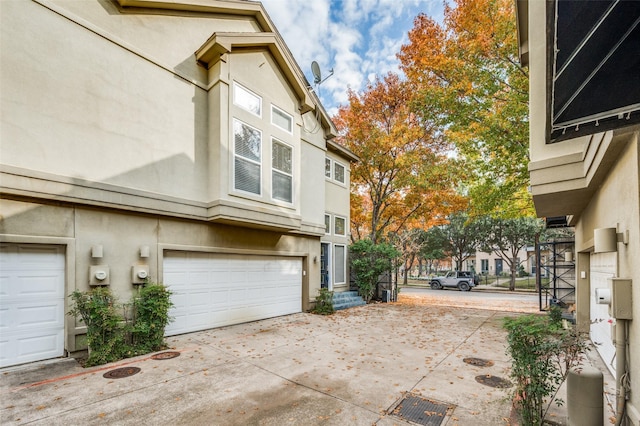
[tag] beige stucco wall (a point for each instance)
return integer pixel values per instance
(122, 234)
(93, 109)
(113, 135)
(595, 180)
(616, 204)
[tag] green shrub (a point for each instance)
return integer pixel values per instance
(105, 337)
(151, 316)
(368, 262)
(542, 353)
(324, 302)
(111, 336)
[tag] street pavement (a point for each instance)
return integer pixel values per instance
(355, 367)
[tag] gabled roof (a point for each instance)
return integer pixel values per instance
(221, 43)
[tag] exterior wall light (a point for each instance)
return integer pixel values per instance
(97, 252)
(605, 240)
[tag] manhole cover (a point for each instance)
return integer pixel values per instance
(493, 381)
(422, 411)
(119, 373)
(165, 355)
(478, 362)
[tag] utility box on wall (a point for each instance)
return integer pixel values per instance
(621, 303)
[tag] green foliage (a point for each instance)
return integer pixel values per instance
(97, 309)
(542, 353)
(324, 302)
(368, 262)
(506, 237)
(109, 336)
(465, 74)
(151, 310)
(460, 238)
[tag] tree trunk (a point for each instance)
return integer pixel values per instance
(514, 271)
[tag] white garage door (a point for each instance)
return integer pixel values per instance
(213, 290)
(31, 303)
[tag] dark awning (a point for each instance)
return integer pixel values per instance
(594, 59)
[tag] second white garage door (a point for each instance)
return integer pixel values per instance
(213, 290)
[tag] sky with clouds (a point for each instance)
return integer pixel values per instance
(358, 39)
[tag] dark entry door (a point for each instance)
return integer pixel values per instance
(324, 265)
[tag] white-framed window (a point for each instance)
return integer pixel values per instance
(339, 264)
(281, 171)
(327, 167)
(281, 119)
(338, 172)
(247, 154)
(339, 226)
(327, 224)
(247, 100)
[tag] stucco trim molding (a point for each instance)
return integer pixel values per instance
(45, 187)
(220, 43)
(562, 185)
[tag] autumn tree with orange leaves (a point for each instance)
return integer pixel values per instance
(467, 78)
(404, 178)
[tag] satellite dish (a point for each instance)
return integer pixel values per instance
(315, 69)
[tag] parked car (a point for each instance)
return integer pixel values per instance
(462, 280)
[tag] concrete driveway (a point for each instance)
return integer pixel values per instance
(351, 368)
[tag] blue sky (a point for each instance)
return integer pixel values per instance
(359, 39)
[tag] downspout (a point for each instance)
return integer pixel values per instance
(621, 370)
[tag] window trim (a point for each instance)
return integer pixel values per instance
(343, 266)
(327, 215)
(259, 162)
(291, 175)
(344, 172)
(250, 92)
(289, 131)
(330, 175)
(334, 225)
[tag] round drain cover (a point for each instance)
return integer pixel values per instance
(478, 362)
(165, 355)
(119, 373)
(493, 381)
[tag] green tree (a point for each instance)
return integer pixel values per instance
(432, 250)
(460, 238)
(404, 173)
(466, 78)
(506, 237)
(368, 261)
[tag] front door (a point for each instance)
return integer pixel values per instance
(324, 265)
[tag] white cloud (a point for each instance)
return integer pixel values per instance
(359, 39)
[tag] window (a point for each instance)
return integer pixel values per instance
(282, 171)
(327, 224)
(327, 167)
(484, 265)
(340, 226)
(281, 119)
(338, 172)
(247, 100)
(339, 264)
(247, 157)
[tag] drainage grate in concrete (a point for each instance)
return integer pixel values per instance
(478, 362)
(165, 355)
(493, 381)
(422, 411)
(119, 373)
